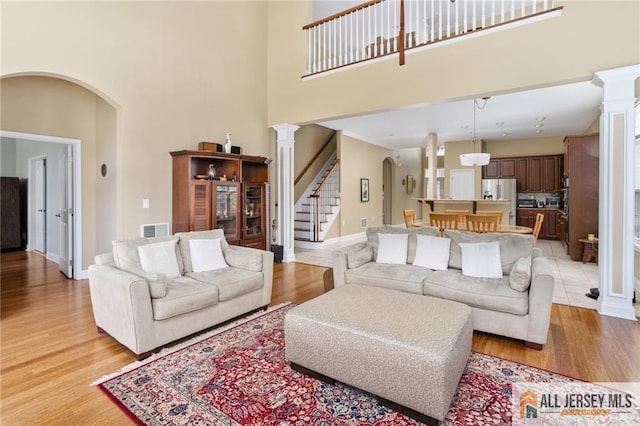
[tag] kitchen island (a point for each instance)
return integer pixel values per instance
(435, 205)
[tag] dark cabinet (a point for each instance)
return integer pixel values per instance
(492, 170)
(10, 212)
(549, 228)
(222, 191)
(581, 165)
(561, 225)
(533, 174)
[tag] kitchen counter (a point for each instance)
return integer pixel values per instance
(439, 205)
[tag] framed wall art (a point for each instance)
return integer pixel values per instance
(364, 190)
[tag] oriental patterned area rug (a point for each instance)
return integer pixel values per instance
(239, 376)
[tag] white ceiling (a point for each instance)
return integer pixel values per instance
(560, 110)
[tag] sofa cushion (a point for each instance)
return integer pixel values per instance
(520, 276)
(512, 246)
(206, 254)
(161, 258)
(493, 294)
(359, 254)
(184, 295)
(481, 260)
(231, 282)
(392, 248)
(432, 252)
(127, 258)
(244, 258)
(372, 237)
(185, 248)
(407, 278)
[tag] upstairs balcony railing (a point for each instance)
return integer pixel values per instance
(380, 28)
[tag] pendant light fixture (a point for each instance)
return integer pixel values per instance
(476, 158)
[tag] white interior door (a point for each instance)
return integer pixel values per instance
(65, 215)
(40, 205)
(462, 182)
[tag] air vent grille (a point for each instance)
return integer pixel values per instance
(154, 230)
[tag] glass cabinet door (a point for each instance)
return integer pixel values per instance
(226, 210)
(253, 205)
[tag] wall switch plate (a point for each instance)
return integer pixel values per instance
(145, 203)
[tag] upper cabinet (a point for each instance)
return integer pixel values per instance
(222, 191)
(533, 174)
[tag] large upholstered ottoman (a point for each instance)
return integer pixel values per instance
(405, 348)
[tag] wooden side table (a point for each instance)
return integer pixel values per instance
(590, 250)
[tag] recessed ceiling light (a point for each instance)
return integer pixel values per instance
(539, 125)
(505, 134)
(541, 118)
(539, 131)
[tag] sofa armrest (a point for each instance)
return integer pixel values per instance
(246, 258)
(341, 257)
(540, 299)
(121, 304)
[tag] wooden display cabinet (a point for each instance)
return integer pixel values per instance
(201, 203)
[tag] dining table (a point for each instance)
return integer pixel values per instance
(502, 228)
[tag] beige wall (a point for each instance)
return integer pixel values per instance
(525, 147)
(106, 186)
(170, 71)
(364, 161)
(520, 58)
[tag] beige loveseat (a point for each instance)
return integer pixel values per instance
(146, 294)
(516, 305)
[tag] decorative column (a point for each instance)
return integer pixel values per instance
(285, 184)
(616, 184)
(432, 156)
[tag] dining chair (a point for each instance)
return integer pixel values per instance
(410, 218)
(479, 223)
(490, 213)
(460, 213)
(444, 221)
(537, 227)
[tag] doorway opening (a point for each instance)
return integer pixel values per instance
(66, 213)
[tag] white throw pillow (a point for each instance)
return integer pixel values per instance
(206, 254)
(392, 248)
(520, 276)
(481, 260)
(432, 252)
(160, 258)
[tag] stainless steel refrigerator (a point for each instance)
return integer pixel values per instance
(502, 189)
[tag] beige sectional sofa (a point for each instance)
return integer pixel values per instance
(516, 302)
(152, 291)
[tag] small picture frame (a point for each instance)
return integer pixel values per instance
(364, 190)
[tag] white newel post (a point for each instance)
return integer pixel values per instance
(616, 211)
(286, 202)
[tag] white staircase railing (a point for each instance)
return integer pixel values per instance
(323, 199)
(383, 27)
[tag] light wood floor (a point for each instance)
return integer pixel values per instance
(51, 351)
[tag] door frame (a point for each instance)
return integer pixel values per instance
(77, 189)
(31, 203)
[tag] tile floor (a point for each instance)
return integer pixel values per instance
(573, 279)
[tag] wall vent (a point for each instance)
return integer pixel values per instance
(154, 230)
(363, 222)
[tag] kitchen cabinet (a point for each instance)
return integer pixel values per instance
(492, 170)
(533, 174)
(581, 164)
(549, 229)
(236, 200)
(561, 225)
